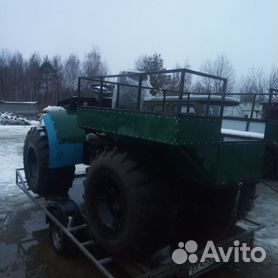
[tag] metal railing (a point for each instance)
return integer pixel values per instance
(184, 96)
(106, 80)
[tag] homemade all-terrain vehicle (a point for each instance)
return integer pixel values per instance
(165, 164)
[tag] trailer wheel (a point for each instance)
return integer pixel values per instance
(246, 199)
(124, 205)
(41, 179)
(59, 241)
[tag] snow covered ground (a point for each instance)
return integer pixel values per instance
(11, 148)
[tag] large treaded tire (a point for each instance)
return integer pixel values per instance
(138, 222)
(41, 179)
(209, 214)
(205, 214)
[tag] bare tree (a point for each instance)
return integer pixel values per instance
(273, 79)
(254, 83)
(221, 67)
(71, 72)
(16, 76)
(257, 82)
(57, 93)
(4, 74)
(44, 81)
(93, 64)
(31, 72)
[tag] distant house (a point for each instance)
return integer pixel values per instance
(28, 110)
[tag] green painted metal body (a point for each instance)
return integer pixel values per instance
(216, 165)
(65, 138)
(65, 124)
(165, 129)
(192, 143)
(240, 161)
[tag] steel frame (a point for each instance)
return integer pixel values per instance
(102, 80)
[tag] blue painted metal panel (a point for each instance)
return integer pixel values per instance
(61, 155)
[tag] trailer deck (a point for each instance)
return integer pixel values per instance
(159, 265)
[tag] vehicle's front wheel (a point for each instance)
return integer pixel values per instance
(40, 178)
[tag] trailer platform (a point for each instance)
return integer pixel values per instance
(159, 265)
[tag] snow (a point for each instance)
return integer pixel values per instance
(265, 212)
(11, 153)
(7, 118)
(53, 108)
(245, 134)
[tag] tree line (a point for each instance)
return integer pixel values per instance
(256, 81)
(48, 80)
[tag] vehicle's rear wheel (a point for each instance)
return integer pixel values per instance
(124, 205)
(41, 179)
(246, 199)
(204, 214)
(209, 214)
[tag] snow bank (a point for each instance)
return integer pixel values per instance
(12, 119)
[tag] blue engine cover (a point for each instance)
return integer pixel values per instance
(61, 155)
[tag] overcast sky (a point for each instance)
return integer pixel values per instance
(180, 30)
